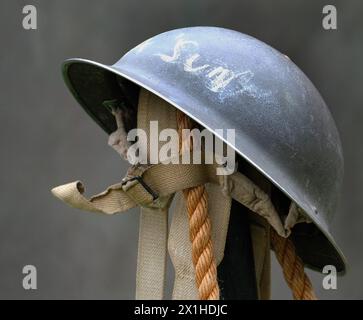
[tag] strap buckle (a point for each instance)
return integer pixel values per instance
(140, 180)
(138, 190)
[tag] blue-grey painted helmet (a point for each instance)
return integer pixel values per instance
(224, 79)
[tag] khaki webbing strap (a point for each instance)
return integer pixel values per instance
(151, 261)
(151, 256)
(180, 252)
(123, 196)
(254, 198)
(165, 180)
(179, 245)
(110, 201)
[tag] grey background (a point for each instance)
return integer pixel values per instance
(46, 139)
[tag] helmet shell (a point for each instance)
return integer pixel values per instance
(224, 79)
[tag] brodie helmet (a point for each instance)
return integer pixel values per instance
(287, 145)
(225, 79)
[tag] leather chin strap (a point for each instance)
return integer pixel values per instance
(153, 188)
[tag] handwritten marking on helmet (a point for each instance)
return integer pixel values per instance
(221, 77)
(218, 77)
(180, 44)
(188, 65)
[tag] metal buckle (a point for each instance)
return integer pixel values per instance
(143, 184)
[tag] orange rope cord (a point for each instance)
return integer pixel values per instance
(199, 227)
(202, 248)
(292, 267)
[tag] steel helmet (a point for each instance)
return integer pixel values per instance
(224, 79)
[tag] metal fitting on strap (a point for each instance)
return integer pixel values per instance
(138, 190)
(129, 182)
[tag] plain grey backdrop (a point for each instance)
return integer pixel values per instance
(47, 139)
